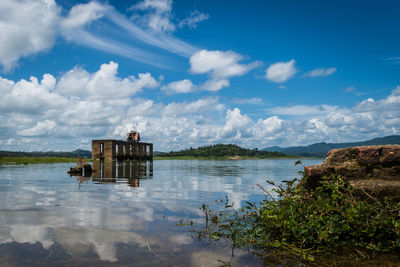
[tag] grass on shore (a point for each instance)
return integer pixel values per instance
(36, 160)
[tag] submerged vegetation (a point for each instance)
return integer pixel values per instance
(219, 151)
(294, 222)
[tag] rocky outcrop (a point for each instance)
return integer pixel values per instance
(375, 169)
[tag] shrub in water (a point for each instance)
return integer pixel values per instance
(296, 221)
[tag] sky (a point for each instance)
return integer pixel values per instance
(193, 73)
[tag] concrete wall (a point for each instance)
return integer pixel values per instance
(115, 149)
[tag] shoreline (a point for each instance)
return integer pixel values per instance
(49, 160)
(36, 160)
(229, 158)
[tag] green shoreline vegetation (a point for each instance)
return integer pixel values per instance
(333, 223)
(36, 160)
(212, 152)
(39, 157)
(219, 151)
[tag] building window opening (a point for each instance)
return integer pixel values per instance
(101, 148)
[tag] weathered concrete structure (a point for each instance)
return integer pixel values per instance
(375, 169)
(121, 150)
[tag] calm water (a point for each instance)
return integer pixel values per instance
(126, 213)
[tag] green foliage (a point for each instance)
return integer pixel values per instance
(73, 154)
(296, 221)
(35, 160)
(221, 150)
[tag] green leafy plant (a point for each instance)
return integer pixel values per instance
(298, 222)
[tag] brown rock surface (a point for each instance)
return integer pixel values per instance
(373, 168)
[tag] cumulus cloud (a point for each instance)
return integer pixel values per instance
(26, 28)
(281, 71)
(78, 101)
(219, 65)
(64, 113)
(42, 128)
(320, 72)
(194, 18)
(267, 127)
(235, 126)
(214, 85)
(183, 86)
(103, 84)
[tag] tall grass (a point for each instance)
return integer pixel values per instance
(35, 160)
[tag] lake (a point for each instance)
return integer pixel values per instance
(127, 213)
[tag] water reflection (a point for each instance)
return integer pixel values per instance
(119, 171)
(45, 217)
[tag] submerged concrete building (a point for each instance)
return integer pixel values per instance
(121, 150)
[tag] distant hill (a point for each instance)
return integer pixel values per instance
(73, 154)
(220, 150)
(320, 149)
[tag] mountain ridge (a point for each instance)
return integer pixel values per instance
(320, 149)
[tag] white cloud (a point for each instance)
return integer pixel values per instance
(350, 89)
(26, 28)
(183, 86)
(78, 103)
(320, 72)
(202, 106)
(266, 128)
(281, 72)
(251, 101)
(194, 18)
(161, 40)
(83, 14)
(159, 15)
(214, 85)
(31, 97)
(236, 125)
(104, 84)
(63, 113)
(29, 27)
(303, 110)
(219, 65)
(42, 128)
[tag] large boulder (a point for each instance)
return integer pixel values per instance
(375, 169)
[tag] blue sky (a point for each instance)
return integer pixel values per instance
(190, 73)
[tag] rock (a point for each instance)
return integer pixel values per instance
(75, 170)
(375, 169)
(85, 170)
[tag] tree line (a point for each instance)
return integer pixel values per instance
(221, 150)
